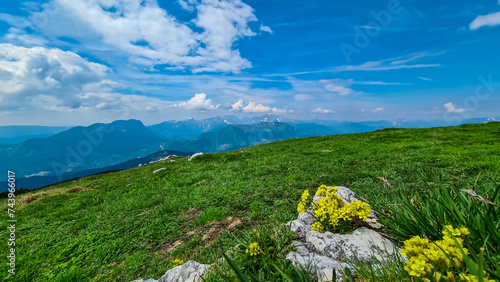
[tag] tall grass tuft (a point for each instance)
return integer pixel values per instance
(445, 206)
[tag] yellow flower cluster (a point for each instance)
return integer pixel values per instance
(434, 261)
(472, 278)
(318, 227)
(306, 199)
(301, 208)
(178, 262)
(330, 209)
(254, 249)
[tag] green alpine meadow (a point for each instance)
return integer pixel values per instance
(137, 223)
(249, 141)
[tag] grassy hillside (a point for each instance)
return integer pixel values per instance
(132, 224)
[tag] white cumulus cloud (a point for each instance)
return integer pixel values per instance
(238, 105)
(279, 111)
(40, 80)
(322, 111)
(450, 107)
(253, 107)
(147, 34)
(25, 72)
(199, 102)
(378, 110)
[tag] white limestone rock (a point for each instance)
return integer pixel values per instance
(349, 196)
(361, 244)
(324, 252)
(321, 253)
(191, 271)
(194, 156)
(318, 265)
(302, 224)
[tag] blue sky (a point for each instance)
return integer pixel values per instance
(77, 62)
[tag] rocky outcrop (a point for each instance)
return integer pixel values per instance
(194, 156)
(322, 253)
(191, 271)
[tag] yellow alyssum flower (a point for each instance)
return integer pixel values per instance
(457, 232)
(414, 246)
(321, 190)
(468, 277)
(330, 208)
(306, 198)
(344, 213)
(437, 276)
(254, 249)
(359, 209)
(416, 267)
(472, 278)
(178, 262)
(301, 208)
(430, 261)
(318, 227)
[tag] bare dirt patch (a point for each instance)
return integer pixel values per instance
(234, 224)
(220, 226)
(194, 231)
(171, 246)
(26, 199)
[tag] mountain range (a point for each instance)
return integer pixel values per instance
(191, 128)
(81, 151)
(81, 148)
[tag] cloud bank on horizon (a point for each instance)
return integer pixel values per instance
(78, 62)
